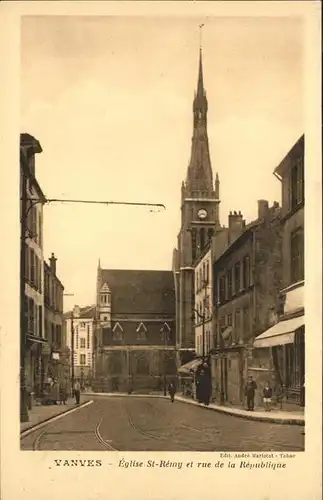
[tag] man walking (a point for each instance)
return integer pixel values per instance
(77, 392)
(250, 390)
(171, 391)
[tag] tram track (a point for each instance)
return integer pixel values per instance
(174, 442)
(41, 437)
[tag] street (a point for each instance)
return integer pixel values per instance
(154, 424)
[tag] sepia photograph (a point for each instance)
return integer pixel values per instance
(162, 199)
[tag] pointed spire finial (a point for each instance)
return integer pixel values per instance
(200, 86)
(201, 26)
(99, 264)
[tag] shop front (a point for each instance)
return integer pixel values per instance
(286, 344)
(187, 373)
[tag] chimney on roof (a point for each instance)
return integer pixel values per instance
(263, 209)
(236, 220)
(76, 311)
(52, 262)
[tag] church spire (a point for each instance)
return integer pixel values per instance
(199, 181)
(200, 86)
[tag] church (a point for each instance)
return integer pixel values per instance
(135, 330)
(200, 199)
(144, 320)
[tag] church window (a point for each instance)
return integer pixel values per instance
(202, 239)
(193, 245)
(141, 332)
(117, 332)
(165, 333)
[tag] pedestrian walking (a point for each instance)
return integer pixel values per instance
(77, 392)
(171, 391)
(267, 395)
(250, 390)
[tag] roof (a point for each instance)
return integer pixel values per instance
(85, 312)
(248, 229)
(296, 150)
(48, 270)
(140, 292)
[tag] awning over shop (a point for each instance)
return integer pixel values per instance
(190, 367)
(227, 332)
(280, 334)
(36, 339)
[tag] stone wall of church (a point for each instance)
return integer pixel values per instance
(134, 370)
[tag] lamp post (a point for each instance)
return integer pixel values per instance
(165, 332)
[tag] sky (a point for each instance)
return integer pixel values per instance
(110, 101)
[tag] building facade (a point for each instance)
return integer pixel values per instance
(80, 323)
(199, 221)
(284, 343)
(55, 352)
(247, 278)
(135, 330)
(204, 304)
(32, 199)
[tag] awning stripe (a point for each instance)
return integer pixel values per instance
(227, 332)
(191, 366)
(280, 334)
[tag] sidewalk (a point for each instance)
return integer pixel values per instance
(42, 413)
(274, 416)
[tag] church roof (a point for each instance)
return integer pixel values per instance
(105, 288)
(140, 292)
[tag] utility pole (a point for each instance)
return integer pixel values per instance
(23, 223)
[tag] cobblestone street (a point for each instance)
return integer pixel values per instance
(153, 424)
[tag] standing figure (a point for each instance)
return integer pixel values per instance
(77, 391)
(63, 392)
(267, 395)
(171, 391)
(250, 390)
(55, 392)
(280, 393)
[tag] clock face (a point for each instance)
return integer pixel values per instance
(202, 213)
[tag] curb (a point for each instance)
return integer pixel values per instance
(226, 410)
(259, 418)
(124, 395)
(41, 424)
